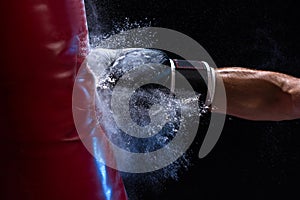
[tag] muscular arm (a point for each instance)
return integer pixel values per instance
(259, 95)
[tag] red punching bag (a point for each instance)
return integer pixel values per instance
(43, 44)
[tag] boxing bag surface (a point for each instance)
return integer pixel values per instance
(44, 43)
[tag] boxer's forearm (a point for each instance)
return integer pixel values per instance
(259, 95)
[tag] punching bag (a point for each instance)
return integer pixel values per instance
(43, 44)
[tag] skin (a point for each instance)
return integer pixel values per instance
(258, 95)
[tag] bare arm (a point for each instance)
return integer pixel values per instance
(259, 95)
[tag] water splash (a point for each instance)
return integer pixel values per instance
(98, 39)
(105, 82)
(142, 100)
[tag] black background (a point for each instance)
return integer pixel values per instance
(252, 160)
